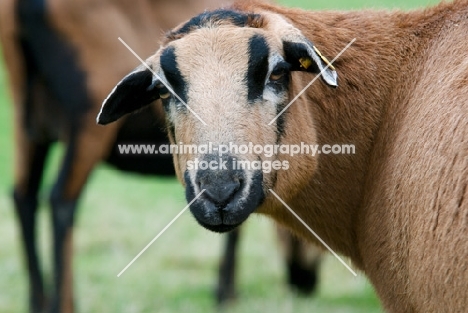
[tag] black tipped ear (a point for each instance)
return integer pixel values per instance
(304, 56)
(136, 90)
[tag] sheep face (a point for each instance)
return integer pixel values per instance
(222, 77)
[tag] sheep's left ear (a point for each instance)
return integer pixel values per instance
(304, 56)
(135, 91)
(299, 51)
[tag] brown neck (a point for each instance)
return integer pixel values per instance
(330, 201)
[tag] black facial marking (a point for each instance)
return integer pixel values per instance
(258, 67)
(213, 19)
(171, 70)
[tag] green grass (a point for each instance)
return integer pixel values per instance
(119, 214)
(357, 4)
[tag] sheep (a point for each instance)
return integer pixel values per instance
(61, 58)
(398, 207)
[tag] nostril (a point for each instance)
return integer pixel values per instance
(232, 188)
(221, 193)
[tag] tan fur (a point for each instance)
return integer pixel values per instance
(398, 207)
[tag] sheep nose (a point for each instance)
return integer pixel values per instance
(220, 191)
(222, 183)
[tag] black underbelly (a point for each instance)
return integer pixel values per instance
(142, 128)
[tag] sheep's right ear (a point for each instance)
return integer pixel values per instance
(135, 91)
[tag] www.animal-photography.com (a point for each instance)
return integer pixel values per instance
(233, 156)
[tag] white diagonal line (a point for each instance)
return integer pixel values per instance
(313, 80)
(160, 233)
(162, 81)
(313, 233)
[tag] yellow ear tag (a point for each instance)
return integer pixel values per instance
(305, 62)
(324, 59)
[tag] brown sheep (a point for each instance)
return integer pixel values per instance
(398, 207)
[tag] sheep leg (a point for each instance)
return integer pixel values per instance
(63, 211)
(302, 261)
(29, 175)
(302, 271)
(83, 152)
(226, 278)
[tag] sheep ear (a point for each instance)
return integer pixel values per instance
(304, 56)
(135, 91)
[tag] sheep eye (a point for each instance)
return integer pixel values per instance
(279, 72)
(276, 76)
(164, 93)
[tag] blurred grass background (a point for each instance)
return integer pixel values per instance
(120, 213)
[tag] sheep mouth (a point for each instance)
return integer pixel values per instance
(228, 215)
(222, 218)
(223, 228)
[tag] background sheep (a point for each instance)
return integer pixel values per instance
(398, 206)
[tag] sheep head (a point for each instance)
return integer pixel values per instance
(223, 77)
